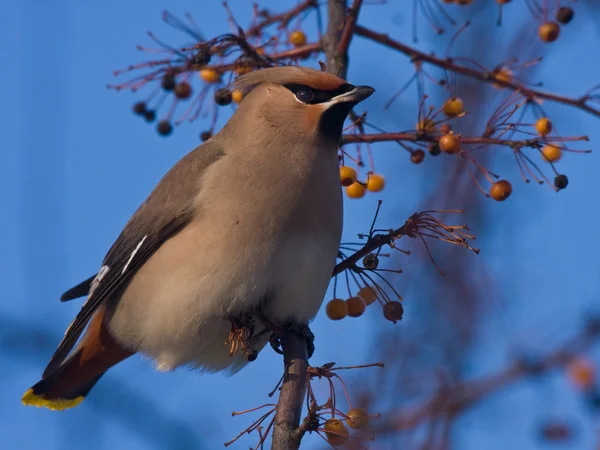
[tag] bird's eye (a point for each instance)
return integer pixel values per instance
(305, 95)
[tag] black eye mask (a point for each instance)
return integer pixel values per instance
(312, 96)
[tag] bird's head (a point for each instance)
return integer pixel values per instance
(299, 100)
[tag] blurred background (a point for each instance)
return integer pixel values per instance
(77, 163)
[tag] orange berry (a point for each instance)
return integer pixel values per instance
(501, 190)
(375, 183)
(426, 126)
(356, 306)
(368, 294)
(504, 74)
(453, 107)
(357, 418)
(581, 372)
(356, 190)
(417, 156)
(210, 76)
(551, 153)
(347, 175)
(393, 311)
(237, 96)
(549, 31)
(298, 38)
(336, 309)
(450, 143)
(543, 126)
(336, 432)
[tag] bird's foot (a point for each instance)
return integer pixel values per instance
(240, 335)
(278, 334)
(304, 331)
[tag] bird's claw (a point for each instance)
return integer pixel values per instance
(304, 331)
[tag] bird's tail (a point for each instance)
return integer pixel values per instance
(64, 388)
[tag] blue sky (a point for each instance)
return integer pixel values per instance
(77, 164)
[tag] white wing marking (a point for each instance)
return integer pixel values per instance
(133, 254)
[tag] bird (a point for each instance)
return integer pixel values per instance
(239, 238)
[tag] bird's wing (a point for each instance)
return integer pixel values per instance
(81, 290)
(165, 212)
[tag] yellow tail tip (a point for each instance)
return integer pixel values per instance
(59, 404)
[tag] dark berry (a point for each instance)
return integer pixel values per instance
(139, 108)
(183, 90)
(150, 115)
(371, 261)
(434, 149)
(164, 128)
(561, 181)
(393, 311)
(205, 135)
(222, 97)
(564, 15)
(417, 156)
(201, 58)
(168, 82)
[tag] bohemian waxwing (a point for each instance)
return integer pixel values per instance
(246, 225)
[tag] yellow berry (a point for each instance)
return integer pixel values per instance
(237, 96)
(335, 432)
(368, 294)
(298, 38)
(450, 143)
(375, 183)
(501, 190)
(504, 74)
(454, 107)
(356, 190)
(543, 126)
(336, 309)
(356, 306)
(551, 153)
(357, 418)
(549, 31)
(347, 175)
(426, 126)
(210, 76)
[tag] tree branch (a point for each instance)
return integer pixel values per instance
(488, 77)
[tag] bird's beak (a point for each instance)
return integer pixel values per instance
(356, 95)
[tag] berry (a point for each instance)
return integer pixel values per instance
(393, 311)
(347, 175)
(426, 126)
(201, 58)
(205, 135)
(210, 76)
(417, 156)
(463, 2)
(371, 261)
(298, 38)
(564, 15)
(445, 128)
(150, 115)
(183, 90)
(356, 306)
(139, 108)
(336, 309)
(543, 126)
(503, 2)
(450, 143)
(549, 31)
(168, 82)
(375, 183)
(581, 372)
(503, 74)
(561, 181)
(555, 431)
(434, 149)
(164, 128)
(551, 153)
(237, 96)
(336, 432)
(368, 294)
(356, 190)
(357, 418)
(501, 190)
(453, 107)
(223, 97)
